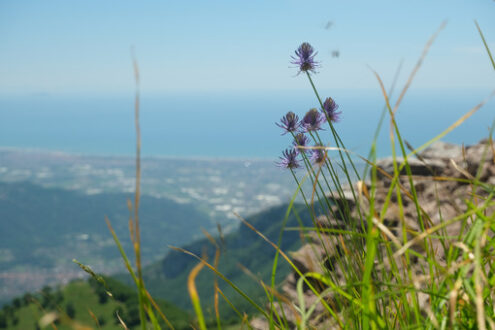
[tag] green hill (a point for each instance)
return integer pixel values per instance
(84, 303)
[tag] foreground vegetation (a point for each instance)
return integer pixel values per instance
(369, 275)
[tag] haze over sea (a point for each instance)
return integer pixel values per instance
(233, 124)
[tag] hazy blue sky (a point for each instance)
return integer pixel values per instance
(83, 46)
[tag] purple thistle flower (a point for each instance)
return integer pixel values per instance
(318, 155)
(289, 159)
(330, 110)
(312, 120)
(290, 122)
(300, 140)
(304, 58)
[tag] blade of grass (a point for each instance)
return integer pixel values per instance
(95, 319)
(478, 286)
(122, 252)
(486, 45)
(372, 153)
(159, 311)
(215, 280)
(418, 65)
(122, 323)
(215, 288)
(137, 234)
(193, 293)
(367, 288)
(148, 309)
(233, 307)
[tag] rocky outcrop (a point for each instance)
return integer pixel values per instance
(441, 197)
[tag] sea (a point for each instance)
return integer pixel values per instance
(229, 124)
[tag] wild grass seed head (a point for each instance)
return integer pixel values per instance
(305, 58)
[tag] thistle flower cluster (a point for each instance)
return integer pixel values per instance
(289, 159)
(289, 123)
(312, 120)
(330, 110)
(305, 58)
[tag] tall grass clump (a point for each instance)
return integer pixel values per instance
(378, 255)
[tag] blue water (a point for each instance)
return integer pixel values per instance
(230, 124)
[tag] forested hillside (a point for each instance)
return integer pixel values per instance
(43, 229)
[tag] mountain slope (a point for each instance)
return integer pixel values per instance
(45, 228)
(167, 279)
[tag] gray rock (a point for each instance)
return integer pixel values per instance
(442, 150)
